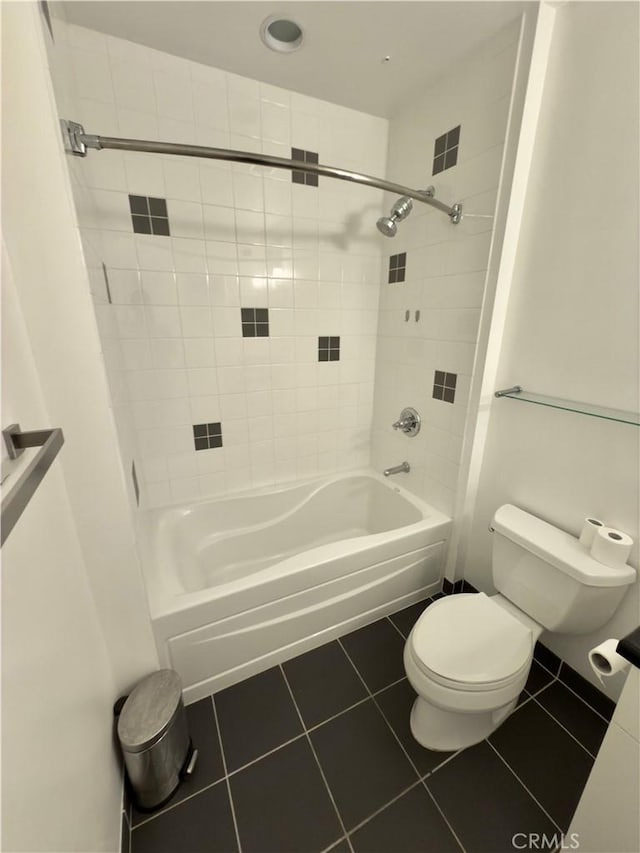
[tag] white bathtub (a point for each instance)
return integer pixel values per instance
(238, 584)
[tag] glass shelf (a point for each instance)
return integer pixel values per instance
(517, 393)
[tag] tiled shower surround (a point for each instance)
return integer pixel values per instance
(226, 282)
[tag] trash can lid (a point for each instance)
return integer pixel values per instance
(149, 710)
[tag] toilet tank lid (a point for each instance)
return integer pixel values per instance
(558, 548)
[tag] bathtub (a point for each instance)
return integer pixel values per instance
(238, 584)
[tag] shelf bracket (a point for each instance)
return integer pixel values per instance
(515, 390)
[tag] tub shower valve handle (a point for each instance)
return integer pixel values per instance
(409, 422)
(404, 468)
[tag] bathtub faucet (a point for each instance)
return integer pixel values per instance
(397, 469)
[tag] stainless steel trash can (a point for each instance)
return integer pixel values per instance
(153, 734)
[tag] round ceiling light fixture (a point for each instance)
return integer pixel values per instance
(281, 34)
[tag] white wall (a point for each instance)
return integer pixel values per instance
(571, 328)
(76, 630)
(240, 237)
(446, 265)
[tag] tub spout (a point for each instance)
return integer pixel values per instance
(397, 469)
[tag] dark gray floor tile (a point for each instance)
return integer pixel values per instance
(343, 847)
(547, 760)
(484, 802)
(538, 678)
(396, 703)
(202, 824)
(404, 620)
(209, 767)
(587, 691)
(578, 718)
(323, 683)
(282, 804)
(376, 650)
(125, 838)
(410, 825)
(256, 716)
(547, 658)
(363, 764)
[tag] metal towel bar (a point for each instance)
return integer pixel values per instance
(19, 494)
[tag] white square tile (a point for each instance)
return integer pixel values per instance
(185, 219)
(210, 461)
(221, 258)
(158, 288)
(136, 354)
(276, 123)
(250, 227)
(257, 377)
(248, 192)
(215, 185)
(280, 293)
(229, 352)
(173, 96)
(124, 286)
(202, 381)
(244, 115)
(133, 89)
(189, 255)
(168, 352)
(277, 197)
(260, 403)
(117, 250)
(254, 292)
(213, 485)
(130, 321)
(196, 321)
(231, 380)
(137, 124)
(145, 175)
(205, 410)
(163, 321)
(210, 104)
(226, 322)
(224, 290)
(182, 179)
(185, 490)
(92, 75)
(219, 223)
(193, 289)
(154, 253)
(256, 351)
(182, 465)
(233, 406)
(170, 413)
(199, 352)
(279, 230)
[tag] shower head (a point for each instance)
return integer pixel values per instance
(401, 209)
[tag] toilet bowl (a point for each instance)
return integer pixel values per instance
(468, 659)
(468, 656)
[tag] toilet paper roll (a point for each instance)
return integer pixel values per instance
(589, 530)
(611, 547)
(605, 660)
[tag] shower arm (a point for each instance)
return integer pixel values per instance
(77, 142)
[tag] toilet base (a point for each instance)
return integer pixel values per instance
(440, 730)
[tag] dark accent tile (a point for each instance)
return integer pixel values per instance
(447, 586)
(441, 145)
(125, 838)
(400, 274)
(297, 154)
(401, 259)
(393, 276)
(587, 691)
(334, 355)
(451, 158)
(334, 342)
(215, 441)
(450, 380)
(248, 330)
(262, 315)
(412, 824)
(248, 315)
(160, 227)
(298, 177)
(438, 164)
(311, 157)
(323, 683)
(201, 443)
(282, 805)
(362, 762)
(141, 224)
(202, 823)
(583, 723)
(484, 802)
(538, 678)
(547, 760)
(215, 428)
(547, 658)
(200, 430)
(396, 703)
(139, 204)
(323, 342)
(323, 355)
(255, 716)
(453, 137)
(449, 395)
(158, 207)
(262, 330)
(136, 486)
(438, 377)
(405, 619)
(376, 650)
(311, 180)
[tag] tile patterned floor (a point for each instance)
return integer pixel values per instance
(317, 755)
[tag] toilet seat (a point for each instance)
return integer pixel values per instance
(467, 642)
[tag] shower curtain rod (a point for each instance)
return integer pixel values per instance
(77, 142)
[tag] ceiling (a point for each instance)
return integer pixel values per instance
(342, 58)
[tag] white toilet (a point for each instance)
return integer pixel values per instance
(468, 655)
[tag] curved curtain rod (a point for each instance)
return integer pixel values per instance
(77, 142)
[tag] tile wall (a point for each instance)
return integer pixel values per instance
(226, 295)
(453, 138)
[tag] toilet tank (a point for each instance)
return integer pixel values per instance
(551, 576)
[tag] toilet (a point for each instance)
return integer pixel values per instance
(468, 655)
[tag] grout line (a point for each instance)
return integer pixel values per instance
(584, 701)
(389, 619)
(315, 755)
(397, 797)
(226, 775)
(175, 805)
(442, 763)
(443, 815)
(266, 754)
(334, 844)
(535, 799)
(571, 735)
